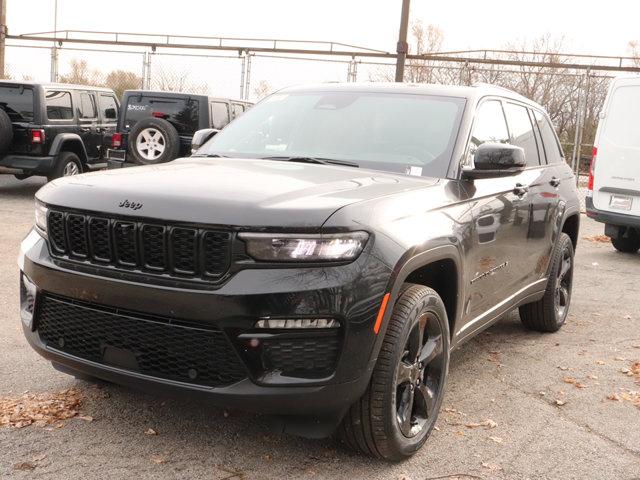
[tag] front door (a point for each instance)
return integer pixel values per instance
(108, 109)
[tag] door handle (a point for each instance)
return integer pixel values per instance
(520, 190)
(554, 182)
(85, 129)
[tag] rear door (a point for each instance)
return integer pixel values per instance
(616, 185)
(88, 123)
(108, 111)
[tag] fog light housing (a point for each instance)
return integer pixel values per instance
(28, 292)
(297, 323)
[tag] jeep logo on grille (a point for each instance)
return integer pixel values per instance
(131, 205)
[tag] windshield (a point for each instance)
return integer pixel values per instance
(17, 101)
(411, 134)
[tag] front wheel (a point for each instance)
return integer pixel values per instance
(399, 409)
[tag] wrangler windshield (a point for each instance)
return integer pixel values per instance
(412, 134)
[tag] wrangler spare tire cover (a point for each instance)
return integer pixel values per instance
(153, 140)
(6, 132)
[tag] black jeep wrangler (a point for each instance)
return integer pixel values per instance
(156, 127)
(318, 259)
(54, 129)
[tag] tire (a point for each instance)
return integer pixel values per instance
(373, 425)
(68, 164)
(546, 315)
(6, 132)
(629, 242)
(152, 141)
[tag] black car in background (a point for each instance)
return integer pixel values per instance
(156, 127)
(54, 129)
(317, 260)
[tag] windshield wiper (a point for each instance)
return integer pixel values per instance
(318, 160)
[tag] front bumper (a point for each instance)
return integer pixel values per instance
(350, 293)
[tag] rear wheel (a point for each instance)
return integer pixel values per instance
(399, 409)
(628, 241)
(67, 165)
(550, 312)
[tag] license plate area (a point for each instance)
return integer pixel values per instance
(117, 155)
(621, 202)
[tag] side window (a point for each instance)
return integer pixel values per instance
(108, 107)
(536, 132)
(522, 132)
(58, 105)
(237, 109)
(219, 114)
(87, 106)
(549, 139)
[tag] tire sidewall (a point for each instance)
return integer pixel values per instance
(408, 446)
(6, 132)
(168, 131)
(565, 242)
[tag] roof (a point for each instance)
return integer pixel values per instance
(56, 85)
(475, 91)
(182, 94)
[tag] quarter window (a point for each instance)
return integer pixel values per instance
(87, 106)
(58, 105)
(219, 115)
(522, 132)
(108, 107)
(549, 139)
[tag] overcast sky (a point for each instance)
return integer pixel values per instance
(587, 27)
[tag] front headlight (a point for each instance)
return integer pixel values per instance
(337, 247)
(41, 217)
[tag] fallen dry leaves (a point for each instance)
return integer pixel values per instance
(40, 409)
(150, 431)
(574, 382)
(488, 423)
(598, 239)
(631, 396)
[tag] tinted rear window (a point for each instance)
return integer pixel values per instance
(17, 102)
(181, 113)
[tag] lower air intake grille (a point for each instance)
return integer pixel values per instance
(306, 356)
(152, 347)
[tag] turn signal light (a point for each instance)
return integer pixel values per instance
(592, 167)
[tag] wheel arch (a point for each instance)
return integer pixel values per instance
(571, 226)
(69, 142)
(439, 268)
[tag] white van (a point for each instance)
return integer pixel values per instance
(614, 178)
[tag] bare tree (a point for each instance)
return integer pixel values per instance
(173, 81)
(121, 80)
(634, 50)
(81, 74)
(262, 90)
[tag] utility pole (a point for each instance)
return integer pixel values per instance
(403, 47)
(3, 34)
(54, 49)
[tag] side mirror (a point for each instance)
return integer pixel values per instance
(111, 113)
(201, 137)
(496, 160)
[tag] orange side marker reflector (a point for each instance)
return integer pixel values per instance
(383, 307)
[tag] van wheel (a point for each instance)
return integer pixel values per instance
(153, 140)
(395, 416)
(6, 132)
(627, 242)
(550, 312)
(68, 164)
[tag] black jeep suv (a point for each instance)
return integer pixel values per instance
(317, 260)
(156, 127)
(54, 129)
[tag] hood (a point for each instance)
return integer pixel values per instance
(227, 191)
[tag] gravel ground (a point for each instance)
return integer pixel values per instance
(545, 427)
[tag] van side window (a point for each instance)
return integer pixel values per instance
(219, 115)
(549, 139)
(521, 131)
(58, 105)
(87, 106)
(108, 107)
